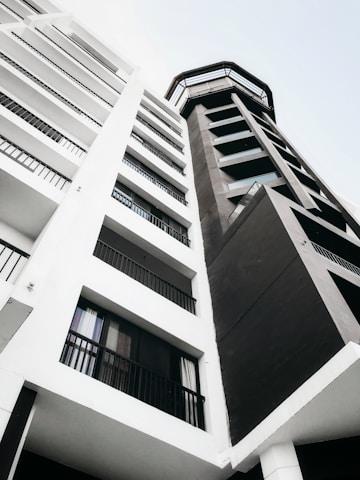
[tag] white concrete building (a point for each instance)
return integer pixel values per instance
(119, 331)
(98, 211)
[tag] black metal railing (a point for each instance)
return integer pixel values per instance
(31, 163)
(150, 217)
(49, 89)
(74, 58)
(158, 133)
(12, 260)
(145, 107)
(101, 363)
(34, 9)
(155, 181)
(157, 152)
(12, 10)
(126, 265)
(335, 258)
(39, 124)
(60, 68)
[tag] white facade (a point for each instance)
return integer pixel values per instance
(69, 81)
(98, 210)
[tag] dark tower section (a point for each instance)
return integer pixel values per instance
(282, 251)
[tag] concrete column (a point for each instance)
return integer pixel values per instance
(280, 462)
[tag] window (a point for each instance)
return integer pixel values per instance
(263, 178)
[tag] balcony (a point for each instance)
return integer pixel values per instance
(142, 170)
(87, 52)
(135, 270)
(53, 92)
(335, 258)
(156, 115)
(99, 362)
(128, 198)
(37, 167)
(331, 243)
(91, 52)
(57, 67)
(40, 125)
(243, 142)
(158, 133)
(12, 261)
(228, 126)
(261, 178)
(157, 152)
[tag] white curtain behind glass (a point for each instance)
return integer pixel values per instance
(89, 324)
(188, 380)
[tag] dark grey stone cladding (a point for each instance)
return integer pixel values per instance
(273, 329)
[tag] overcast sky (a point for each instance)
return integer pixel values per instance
(307, 51)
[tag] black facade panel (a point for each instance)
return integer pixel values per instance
(273, 329)
(14, 431)
(332, 460)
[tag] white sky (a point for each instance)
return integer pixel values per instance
(307, 51)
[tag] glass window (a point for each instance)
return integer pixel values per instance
(263, 178)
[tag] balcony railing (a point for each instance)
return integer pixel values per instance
(145, 107)
(12, 10)
(12, 260)
(31, 163)
(157, 152)
(60, 68)
(158, 133)
(136, 271)
(50, 90)
(125, 200)
(155, 181)
(34, 9)
(91, 54)
(74, 58)
(335, 258)
(42, 126)
(101, 363)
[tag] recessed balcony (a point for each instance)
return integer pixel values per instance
(223, 112)
(105, 365)
(161, 118)
(331, 244)
(261, 179)
(41, 125)
(244, 141)
(38, 46)
(156, 151)
(141, 207)
(157, 132)
(33, 164)
(154, 178)
(120, 354)
(56, 94)
(228, 126)
(156, 282)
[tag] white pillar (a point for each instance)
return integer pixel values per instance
(11, 385)
(280, 462)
